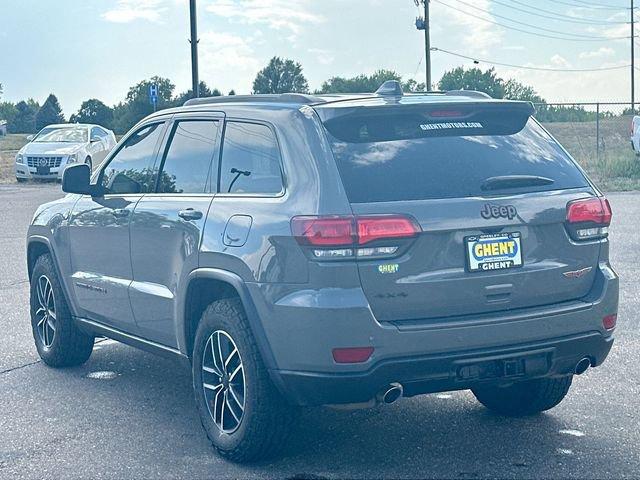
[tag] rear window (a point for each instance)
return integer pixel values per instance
(419, 156)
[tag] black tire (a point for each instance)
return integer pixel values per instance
(266, 421)
(524, 398)
(21, 180)
(63, 344)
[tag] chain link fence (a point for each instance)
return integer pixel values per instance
(598, 136)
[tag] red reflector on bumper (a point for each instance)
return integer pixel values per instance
(352, 355)
(609, 322)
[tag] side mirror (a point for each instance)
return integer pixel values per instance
(77, 179)
(30, 137)
(95, 139)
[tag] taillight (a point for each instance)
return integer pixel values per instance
(589, 219)
(323, 231)
(341, 237)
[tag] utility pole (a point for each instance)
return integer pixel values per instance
(195, 82)
(633, 59)
(424, 24)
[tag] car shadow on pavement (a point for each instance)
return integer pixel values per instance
(140, 410)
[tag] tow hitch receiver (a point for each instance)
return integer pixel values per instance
(503, 368)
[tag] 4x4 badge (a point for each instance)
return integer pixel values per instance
(498, 211)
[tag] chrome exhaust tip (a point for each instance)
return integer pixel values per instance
(582, 366)
(391, 393)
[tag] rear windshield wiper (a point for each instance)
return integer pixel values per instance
(514, 181)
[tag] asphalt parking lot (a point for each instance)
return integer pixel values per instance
(129, 414)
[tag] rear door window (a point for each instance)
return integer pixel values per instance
(417, 156)
(188, 160)
(250, 160)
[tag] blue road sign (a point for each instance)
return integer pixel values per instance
(153, 93)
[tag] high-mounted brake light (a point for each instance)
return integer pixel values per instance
(589, 218)
(447, 114)
(340, 237)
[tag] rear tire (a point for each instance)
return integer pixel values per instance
(524, 398)
(58, 340)
(257, 419)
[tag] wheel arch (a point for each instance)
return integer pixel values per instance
(206, 285)
(38, 245)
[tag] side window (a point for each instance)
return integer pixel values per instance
(129, 171)
(187, 163)
(250, 160)
(95, 132)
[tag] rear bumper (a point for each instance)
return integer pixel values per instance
(452, 371)
(302, 327)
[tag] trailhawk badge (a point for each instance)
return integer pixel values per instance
(578, 273)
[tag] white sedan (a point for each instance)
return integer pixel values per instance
(56, 146)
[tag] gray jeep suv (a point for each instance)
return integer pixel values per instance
(332, 250)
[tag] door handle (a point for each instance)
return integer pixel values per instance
(190, 214)
(120, 212)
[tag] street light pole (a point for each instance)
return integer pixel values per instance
(633, 59)
(424, 24)
(195, 82)
(427, 43)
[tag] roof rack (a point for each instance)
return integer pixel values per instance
(294, 98)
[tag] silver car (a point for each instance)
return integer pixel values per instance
(56, 146)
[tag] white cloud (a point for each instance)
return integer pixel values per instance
(600, 52)
(475, 35)
(559, 61)
(127, 11)
(227, 61)
(289, 15)
(324, 57)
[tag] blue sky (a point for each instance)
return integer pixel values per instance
(81, 49)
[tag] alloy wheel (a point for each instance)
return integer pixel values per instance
(46, 312)
(223, 381)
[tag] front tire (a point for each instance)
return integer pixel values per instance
(58, 340)
(20, 180)
(243, 414)
(524, 398)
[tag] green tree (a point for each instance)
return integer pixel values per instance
(93, 111)
(49, 113)
(368, 83)
(25, 117)
(138, 105)
(205, 91)
(281, 76)
(8, 112)
(1, 90)
(473, 79)
(358, 84)
(514, 90)
(232, 92)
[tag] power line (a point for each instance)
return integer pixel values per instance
(585, 4)
(573, 36)
(525, 67)
(537, 34)
(558, 16)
